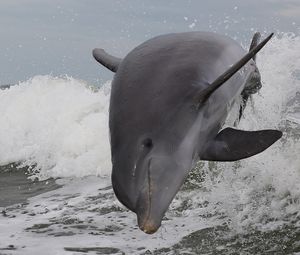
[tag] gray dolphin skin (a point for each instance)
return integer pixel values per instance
(170, 97)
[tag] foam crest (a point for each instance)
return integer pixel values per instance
(58, 126)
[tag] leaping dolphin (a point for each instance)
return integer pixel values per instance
(170, 97)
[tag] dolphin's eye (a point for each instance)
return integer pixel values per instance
(147, 143)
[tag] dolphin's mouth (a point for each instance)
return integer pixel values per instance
(147, 217)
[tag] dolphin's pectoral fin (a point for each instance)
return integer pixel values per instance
(233, 144)
(110, 62)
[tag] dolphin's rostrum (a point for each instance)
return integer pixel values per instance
(170, 97)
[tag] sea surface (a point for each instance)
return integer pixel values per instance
(55, 190)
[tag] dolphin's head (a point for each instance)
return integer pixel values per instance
(146, 179)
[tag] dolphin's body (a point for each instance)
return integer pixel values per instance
(169, 100)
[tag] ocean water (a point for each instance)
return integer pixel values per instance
(55, 144)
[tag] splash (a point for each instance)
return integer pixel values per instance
(57, 126)
(263, 191)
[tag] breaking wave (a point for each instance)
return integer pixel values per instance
(57, 126)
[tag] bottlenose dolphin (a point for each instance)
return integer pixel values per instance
(170, 97)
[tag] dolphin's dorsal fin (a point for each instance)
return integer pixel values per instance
(110, 62)
(255, 40)
(203, 95)
(233, 144)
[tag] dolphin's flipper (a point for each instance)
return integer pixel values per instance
(233, 144)
(254, 43)
(109, 61)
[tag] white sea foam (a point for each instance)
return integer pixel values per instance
(58, 126)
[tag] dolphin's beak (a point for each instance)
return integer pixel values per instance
(149, 210)
(163, 180)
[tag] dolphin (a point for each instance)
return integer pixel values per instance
(170, 97)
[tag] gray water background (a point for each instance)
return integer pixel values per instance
(57, 37)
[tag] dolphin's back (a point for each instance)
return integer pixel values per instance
(155, 79)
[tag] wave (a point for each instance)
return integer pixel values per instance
(56, 126)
